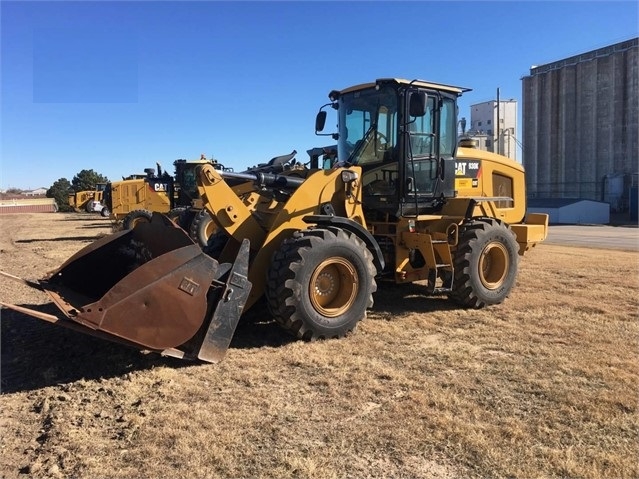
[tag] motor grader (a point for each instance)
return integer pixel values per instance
(133, 198)
(402, 203)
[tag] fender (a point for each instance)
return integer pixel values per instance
(353, 227)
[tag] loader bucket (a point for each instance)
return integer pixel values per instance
(154, 288)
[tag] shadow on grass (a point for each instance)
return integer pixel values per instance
(37, 354)
(92, 226)
(62, 238)
(88, 217)
(392, 299)
(258, 329)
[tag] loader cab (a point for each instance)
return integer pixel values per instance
(186, 192)
(185, 176)
(403, 135)
(322, 157)
(185, 179)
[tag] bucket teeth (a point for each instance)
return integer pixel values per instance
(228, 309)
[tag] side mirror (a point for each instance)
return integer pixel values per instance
(417, 104)
(320, 121)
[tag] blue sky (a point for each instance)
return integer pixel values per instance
(117, 86)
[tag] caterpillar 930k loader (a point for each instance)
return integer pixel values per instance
(402, 204)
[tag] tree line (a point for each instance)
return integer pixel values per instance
(85, 180)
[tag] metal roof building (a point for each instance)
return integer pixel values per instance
(574, 211)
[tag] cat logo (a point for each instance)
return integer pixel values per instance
(466, 168)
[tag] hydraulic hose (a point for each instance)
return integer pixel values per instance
(266, 179)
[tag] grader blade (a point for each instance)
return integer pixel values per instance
(154, 288)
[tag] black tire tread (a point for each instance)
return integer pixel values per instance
(198, 226)
(282, 285)
(175, 213)
(472, 232)
(129, 219)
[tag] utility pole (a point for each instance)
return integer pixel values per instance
(498, 126)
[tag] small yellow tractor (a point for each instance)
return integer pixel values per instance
(400, 203)
(90, 201)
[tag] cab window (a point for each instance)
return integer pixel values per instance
(421, 132)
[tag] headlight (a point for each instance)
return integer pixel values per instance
(349, 176)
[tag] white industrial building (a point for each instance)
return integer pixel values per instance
(493, 126)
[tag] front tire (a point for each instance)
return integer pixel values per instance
(202, 227)
(136, 217)
(320, 283)
(175, 213)
(485, 263)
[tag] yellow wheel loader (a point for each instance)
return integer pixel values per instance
(189, 211)
(134, 199)
(401, 203)
(90, 201)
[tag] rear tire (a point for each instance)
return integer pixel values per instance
(136, 217)
(320, 283)
(174, 214)
(104, 212)
(185, 219)
(215, 245)
(202, 227)
(485, 263)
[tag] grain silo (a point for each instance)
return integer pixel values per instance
(581, 126)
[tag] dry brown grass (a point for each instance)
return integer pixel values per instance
(544, 385)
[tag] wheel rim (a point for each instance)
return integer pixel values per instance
(493, 265)
(210, 228)
(333, 287)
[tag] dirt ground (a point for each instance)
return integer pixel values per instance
(543, 385)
